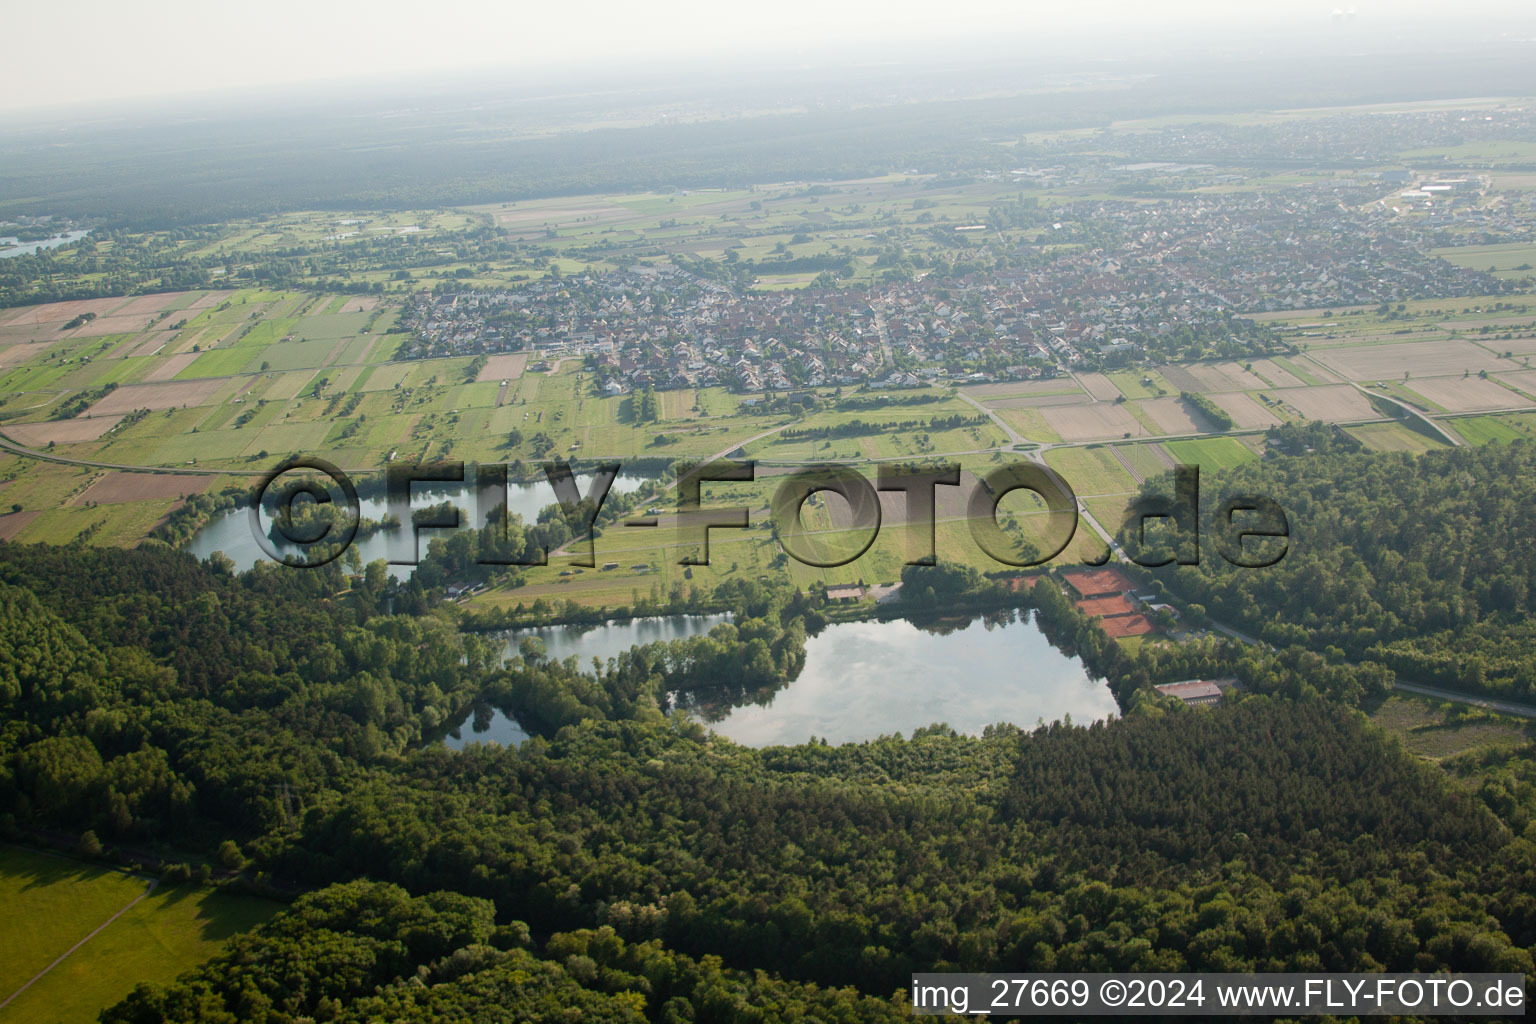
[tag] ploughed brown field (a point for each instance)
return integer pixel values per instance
(1418, 359)
(1332, 404)
(113, 487)
(503, 367)
(1467, 394)
(83, 428)
(169, 395)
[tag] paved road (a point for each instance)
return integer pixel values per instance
(1503, 706)
(888, 363)
(12, 446)
(1450, 438)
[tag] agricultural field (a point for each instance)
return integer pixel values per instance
(648, 557)
(1099, 422)
(1141, 384)
(1338, 403)
(1210, 453)
(1171, 416)
(63, 901)
(1394, 437)
(1509, 260)
(1467, 394)
(1495, 429)
(1144, 460)
(211, 387)
(1099, 387)
(1247, 411)
(1481, 152)
(1092, 471)
(290, 372)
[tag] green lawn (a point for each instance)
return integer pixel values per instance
(1210, 452)
(1091, 470)
(51, 903)
(1483, 429)
(1393, 437)
(219, 362)
(1505, 259)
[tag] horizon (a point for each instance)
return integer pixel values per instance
(108, 73)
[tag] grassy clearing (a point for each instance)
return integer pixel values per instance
(1142, 384)
(52, 903)
(1487, 429)
(1091, 470)
(59, 901)
(1438, 730)
(1210, 453)
(1393, 437)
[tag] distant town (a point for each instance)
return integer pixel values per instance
(1110, 284)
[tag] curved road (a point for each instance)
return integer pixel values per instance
(17, 449)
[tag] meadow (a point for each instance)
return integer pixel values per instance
(63, 900)
(1438, 730)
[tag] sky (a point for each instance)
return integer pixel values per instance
(95, 52)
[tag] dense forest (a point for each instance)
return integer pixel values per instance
(627, 861)
(1420, 564)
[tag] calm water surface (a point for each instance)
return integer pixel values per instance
(11, 247)
(867, 679)
(231, 532)
(560, 642)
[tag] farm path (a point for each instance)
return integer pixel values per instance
(153, 883)
(1014, 437)
(1120, 457)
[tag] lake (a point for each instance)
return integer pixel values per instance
(610, 638)
(231, 531)
(604, 641)
(11, 247)
(867, 679)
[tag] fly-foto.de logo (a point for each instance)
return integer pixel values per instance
(306, 513)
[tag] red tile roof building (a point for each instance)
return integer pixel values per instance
(1097, 582)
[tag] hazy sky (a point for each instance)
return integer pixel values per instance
(89, 51)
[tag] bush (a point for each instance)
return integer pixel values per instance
(230, 856)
